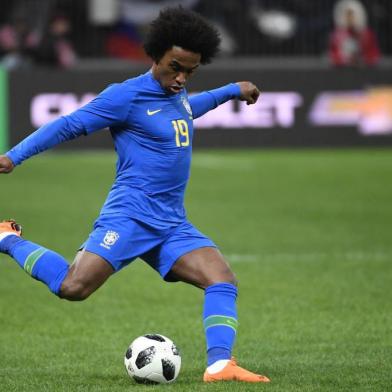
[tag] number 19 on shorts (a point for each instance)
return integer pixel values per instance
(181, 132)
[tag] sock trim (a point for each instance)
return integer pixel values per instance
(6, 234)
(32, 258)
(217, 366)
(218, 320)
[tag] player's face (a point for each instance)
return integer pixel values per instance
(175, 68)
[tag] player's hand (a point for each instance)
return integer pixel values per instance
(249, 92)
(6, 165)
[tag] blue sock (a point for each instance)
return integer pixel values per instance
(220, 320)
(42, 264)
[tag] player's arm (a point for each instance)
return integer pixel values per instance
(108, 109)
(60, 130)
(6, 165)
(208, 100)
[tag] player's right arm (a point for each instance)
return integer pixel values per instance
(108, 109)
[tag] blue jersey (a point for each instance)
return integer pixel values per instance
(152, 132)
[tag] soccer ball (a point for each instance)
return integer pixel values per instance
(152, 359)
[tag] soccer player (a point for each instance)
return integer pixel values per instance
(151, 121)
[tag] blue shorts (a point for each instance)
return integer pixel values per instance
(120, 240)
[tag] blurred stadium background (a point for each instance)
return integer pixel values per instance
(306, 228)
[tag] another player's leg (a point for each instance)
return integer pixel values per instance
(74, 282)
(206, 268)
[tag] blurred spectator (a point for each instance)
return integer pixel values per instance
(230, 18)
(271, 27)
(56, 48)
(17, 43)
(268, 28)
(352, 43)
(124, 42)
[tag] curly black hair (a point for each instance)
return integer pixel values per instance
(176, 26)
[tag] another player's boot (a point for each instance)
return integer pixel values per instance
(8, 227)
(233, 372)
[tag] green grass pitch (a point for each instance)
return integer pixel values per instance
(308, 233)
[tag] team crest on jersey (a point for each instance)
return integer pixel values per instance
(185, 102)
(110, 239)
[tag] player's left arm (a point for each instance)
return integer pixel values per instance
(249, 92)
(208, 100)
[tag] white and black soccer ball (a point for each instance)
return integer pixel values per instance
(153, 358)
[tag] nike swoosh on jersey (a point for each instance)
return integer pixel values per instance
(151, 112)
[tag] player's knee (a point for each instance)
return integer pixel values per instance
(225, 277)
(74, 291)
(231, 278)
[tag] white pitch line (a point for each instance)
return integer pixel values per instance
(351, 255)
(242, 258)
(216, 162)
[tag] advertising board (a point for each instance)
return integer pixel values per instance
(319, 107)
(3, 110)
